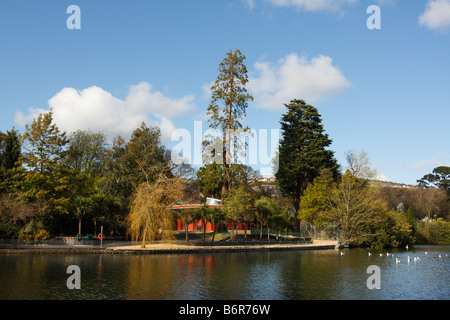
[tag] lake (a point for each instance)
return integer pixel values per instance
(265, 275)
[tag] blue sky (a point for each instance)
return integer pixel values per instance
(386, 90)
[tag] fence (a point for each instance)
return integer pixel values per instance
(307, 231)
(62, 242)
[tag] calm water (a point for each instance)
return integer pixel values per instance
(288, 275)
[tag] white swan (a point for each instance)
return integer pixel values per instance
(381, 254)
(370, 254)
(406, 247)
(342, 253)
(397, 260)
(409, 259)
(388, 254)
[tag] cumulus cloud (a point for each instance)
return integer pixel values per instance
(96, 109)
(295, 77)
(436, 15)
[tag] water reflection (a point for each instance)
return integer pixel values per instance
(272, 275)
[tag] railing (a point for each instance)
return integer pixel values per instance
(64, 242)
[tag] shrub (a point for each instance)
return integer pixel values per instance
(8, 230)
(393, 230)
(33, 232)
(434, 232)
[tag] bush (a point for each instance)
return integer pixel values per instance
(434, 232)
(8, 230)
(393, 231)
(41, 235)
(33, 232)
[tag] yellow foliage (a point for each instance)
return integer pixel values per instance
(150, 216)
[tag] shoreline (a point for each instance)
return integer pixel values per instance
(166, 248)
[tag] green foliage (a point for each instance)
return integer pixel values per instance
(315, 202)
(10, 149)
(86, 152)
(127, 165)
(43, 173)
(357, 209)
(229, 91)
(227, 108)
(209, 179)
(239, 205)
(440, 177)
(434, 232)
(9, 230)
(303, 152)
(411, 220)
(44, 145)
(391, 230)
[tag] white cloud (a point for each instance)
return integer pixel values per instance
(436, 15)
(250, 3)
(98, 110)
(424, 165)
(295, 77)
(313, 5)
(386, 2)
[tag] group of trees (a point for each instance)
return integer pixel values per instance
(55, 183)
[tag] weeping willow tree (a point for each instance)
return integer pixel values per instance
(150, 215)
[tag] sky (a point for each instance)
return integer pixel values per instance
(378, 71)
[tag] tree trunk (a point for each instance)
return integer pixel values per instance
(204, 230)
(79, 225)
(296, 220)
(260, 230)
(214, 232)
(227, 157)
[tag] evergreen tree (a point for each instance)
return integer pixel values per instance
(227, 108)
(10, 151)
(43, 173)
(411, 220)
(302, 151)
(440, 177)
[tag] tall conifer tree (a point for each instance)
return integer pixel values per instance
(227, 108)
(303, 152)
